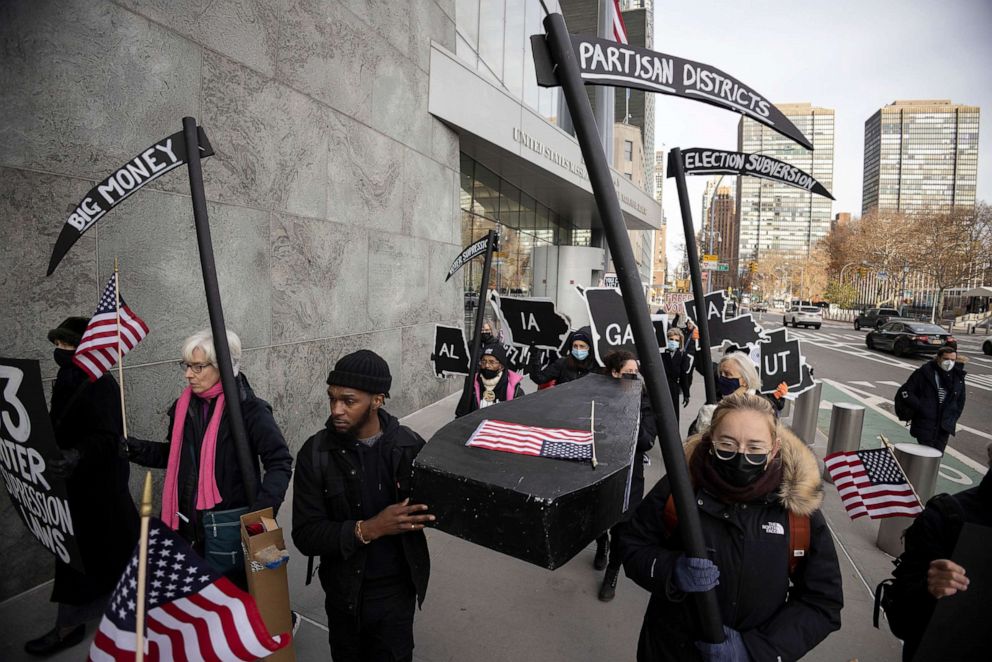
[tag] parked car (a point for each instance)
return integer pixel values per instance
(803, 315)
(759, 307)
(903, 337)
(874, 318)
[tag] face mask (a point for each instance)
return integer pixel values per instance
(488, 373)
(580, 354)
(727, 385)
(63, 357)
(486, 337)
(673, 345)
(947, 365)
(737, 471)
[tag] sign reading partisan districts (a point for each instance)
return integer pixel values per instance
(471, 251)
(162, 157)
(27, 442)
(702, 161)
(451, 356)
(605, 62)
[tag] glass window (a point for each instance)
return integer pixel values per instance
(628, 150)
(491, 36)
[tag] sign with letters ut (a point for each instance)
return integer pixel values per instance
(451, 356)
(781, 361)
(605, 62)
(27, 443)
(162, 157)
(702, 161)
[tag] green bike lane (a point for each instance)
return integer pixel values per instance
(957, 472)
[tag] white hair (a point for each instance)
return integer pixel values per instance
(203, 340)
(747, 369)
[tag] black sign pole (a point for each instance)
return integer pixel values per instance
(637, 308)
(676, 167)
(232, 399)
(473, 366)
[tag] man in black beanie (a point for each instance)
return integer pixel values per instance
(350, 506)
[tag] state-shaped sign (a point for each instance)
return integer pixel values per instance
(740, 330)
(451, 355)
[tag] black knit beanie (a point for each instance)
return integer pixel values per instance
(70, 331)
(364, 370)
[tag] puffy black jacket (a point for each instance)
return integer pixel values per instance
(565, 369)
(326, 490)
(646, 435)
(778, 620)
(931, 419)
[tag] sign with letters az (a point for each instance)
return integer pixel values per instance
(162, 157)
(27, 443)
(451, 356)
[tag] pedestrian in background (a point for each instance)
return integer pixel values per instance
(678, 368)
(936, 395)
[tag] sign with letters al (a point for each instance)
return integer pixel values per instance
(781, 360)
(27, 443)
(451, 355)
(702, 161)
(605, 62)
(162, 157)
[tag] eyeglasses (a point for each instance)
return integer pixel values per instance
(491, 363)
(753, 453)
(197, 368)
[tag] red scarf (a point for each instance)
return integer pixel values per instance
(207, 494)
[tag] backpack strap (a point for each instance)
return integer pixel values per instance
(319, 461)
(799, 539)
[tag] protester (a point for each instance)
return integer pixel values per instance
(494, 382)
(935, 393)
(351, 507)
(579, 362)
(623, 365)
(678, 368)
(86, 418)
(487, 338)
(924, 572)
(204, 495)
(754, 483)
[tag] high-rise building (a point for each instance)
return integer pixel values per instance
(660, 271)
(628, 160)
(920, 155)
(773, 217)
(722, 234)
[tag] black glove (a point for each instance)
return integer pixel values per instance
(123, 450)
(62, 467)
(685, 400)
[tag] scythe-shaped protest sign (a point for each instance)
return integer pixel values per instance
(702, 161)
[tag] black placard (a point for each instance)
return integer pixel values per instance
(781, 361)
(27, 443)
(605, 62)
(741, 330)
(472, 250)
(450, 355)
(609, 323)
(165, 155)
(703, 161)
(530, 321)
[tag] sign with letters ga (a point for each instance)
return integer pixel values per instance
(781, 360)
(530, 321)
(162, 157)
(605, 62)
(702, 161)
(609, 323)
(451, 356)
(27, 443)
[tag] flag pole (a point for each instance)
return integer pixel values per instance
(146, 513)
(889, 447)
(120, 355)
(592, 432)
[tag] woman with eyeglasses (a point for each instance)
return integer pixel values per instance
(203, 496)
(771, 558)
(494, 382)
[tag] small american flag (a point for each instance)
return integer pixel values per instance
(559, 443)
(97, 351)
(619, 29)
(192, 613)
(871, 483)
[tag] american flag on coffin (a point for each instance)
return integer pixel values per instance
(871, 483)
(558, 443)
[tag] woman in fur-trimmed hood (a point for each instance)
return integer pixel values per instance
(758, 492)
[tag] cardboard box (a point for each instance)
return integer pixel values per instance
(270, 588)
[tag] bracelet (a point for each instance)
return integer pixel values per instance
(358, 533)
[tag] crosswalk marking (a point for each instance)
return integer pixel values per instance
(868, 384)
(896, 384)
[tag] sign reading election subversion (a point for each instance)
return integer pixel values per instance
(703, 161)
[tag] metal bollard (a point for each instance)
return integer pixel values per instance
(920, 463)
(807, 410)
(846, 424)
(786, 408)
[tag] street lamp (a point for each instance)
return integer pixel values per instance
(843, 269)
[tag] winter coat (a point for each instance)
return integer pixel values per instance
(326, 496)
(267, 447)
(779, 618)
(565, 369)
(678, 369)
(104, 518)
(934, 535)
(646, 434)
(931, 419)
(506, 389)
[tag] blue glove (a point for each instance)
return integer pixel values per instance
(731, 650)
(692, 575)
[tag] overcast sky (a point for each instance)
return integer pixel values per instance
(854, 56)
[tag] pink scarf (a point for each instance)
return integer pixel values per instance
(207, 494)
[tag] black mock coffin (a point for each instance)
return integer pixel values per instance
(536, 509)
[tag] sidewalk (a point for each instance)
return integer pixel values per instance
(483, 606)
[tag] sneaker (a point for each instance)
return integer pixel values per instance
(51, 643)
(602, 555)
(609, 588)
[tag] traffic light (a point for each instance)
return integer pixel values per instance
(752, 266)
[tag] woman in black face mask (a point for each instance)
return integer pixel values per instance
(771, 558)
(494, 382)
